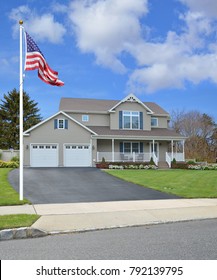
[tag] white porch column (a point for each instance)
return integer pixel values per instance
(153, 142)
(183, 150)
(113, 150)
(172, 150)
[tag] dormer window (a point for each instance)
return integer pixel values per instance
(130, 120)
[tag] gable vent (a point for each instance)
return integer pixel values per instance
(131, 99)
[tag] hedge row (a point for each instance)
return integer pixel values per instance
(8, 164)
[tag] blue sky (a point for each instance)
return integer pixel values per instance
(162, 51)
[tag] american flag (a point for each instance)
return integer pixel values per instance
(36, 60)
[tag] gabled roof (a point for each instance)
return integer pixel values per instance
(131, 98)
(55, 115)
(87, 105)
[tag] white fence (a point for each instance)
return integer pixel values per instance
(7, 155)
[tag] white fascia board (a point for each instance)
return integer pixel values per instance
(53, 116)
(131, 95)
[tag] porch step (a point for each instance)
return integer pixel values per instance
(163, 165)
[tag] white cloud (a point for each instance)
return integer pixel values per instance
(206, 7)
(188, 56)
(105, 27)
(41, 26)
(162, 76)
(108, 28)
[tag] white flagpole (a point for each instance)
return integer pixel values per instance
(21, 112)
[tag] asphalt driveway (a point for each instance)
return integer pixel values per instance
(67, 185)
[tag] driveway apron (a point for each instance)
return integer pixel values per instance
(68, 185)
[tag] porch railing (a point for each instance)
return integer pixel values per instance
(123, 157)
(168, 159)
(155, 158)
(177, 156)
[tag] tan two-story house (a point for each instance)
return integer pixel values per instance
(85, 131)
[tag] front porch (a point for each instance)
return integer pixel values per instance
(140, 151)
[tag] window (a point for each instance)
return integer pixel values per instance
(130, 147)
(60, 124)
(131, 120)
(85, 118)
(154, 122)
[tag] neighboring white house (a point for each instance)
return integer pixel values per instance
(86, 130)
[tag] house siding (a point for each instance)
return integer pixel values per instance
(162, 121)
(94, 119)
(45, 134)
(129, 106)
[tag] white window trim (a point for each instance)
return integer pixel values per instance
(131, 128)
(58, 122)
(157, 122)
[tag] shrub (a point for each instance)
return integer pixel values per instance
(179, 165)
(15, 159)
(8, 164)
(151, 161)
(191, 162)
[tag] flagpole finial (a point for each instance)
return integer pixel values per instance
(20, 22)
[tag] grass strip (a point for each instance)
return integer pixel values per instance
(8, 196)
(16, 221)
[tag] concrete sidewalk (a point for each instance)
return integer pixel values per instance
(74, 217)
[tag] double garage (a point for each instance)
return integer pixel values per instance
(48, 155)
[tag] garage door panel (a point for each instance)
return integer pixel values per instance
(77, 155)
(44, 155)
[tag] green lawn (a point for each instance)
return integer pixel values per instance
(184, 183)
(8, 196)
(15, 221)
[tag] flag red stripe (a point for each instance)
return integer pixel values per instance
(35, 60)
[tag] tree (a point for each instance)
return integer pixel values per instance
(9, 118)
(201, 132)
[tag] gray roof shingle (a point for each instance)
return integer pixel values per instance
(99, 105)
(154, 132)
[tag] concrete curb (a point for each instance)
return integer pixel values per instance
(20, 233)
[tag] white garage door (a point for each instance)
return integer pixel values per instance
(44, 155)
(77, 155)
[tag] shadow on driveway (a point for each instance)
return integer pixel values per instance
(67, 185)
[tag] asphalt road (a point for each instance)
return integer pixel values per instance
(67, 185)
(195, 240)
